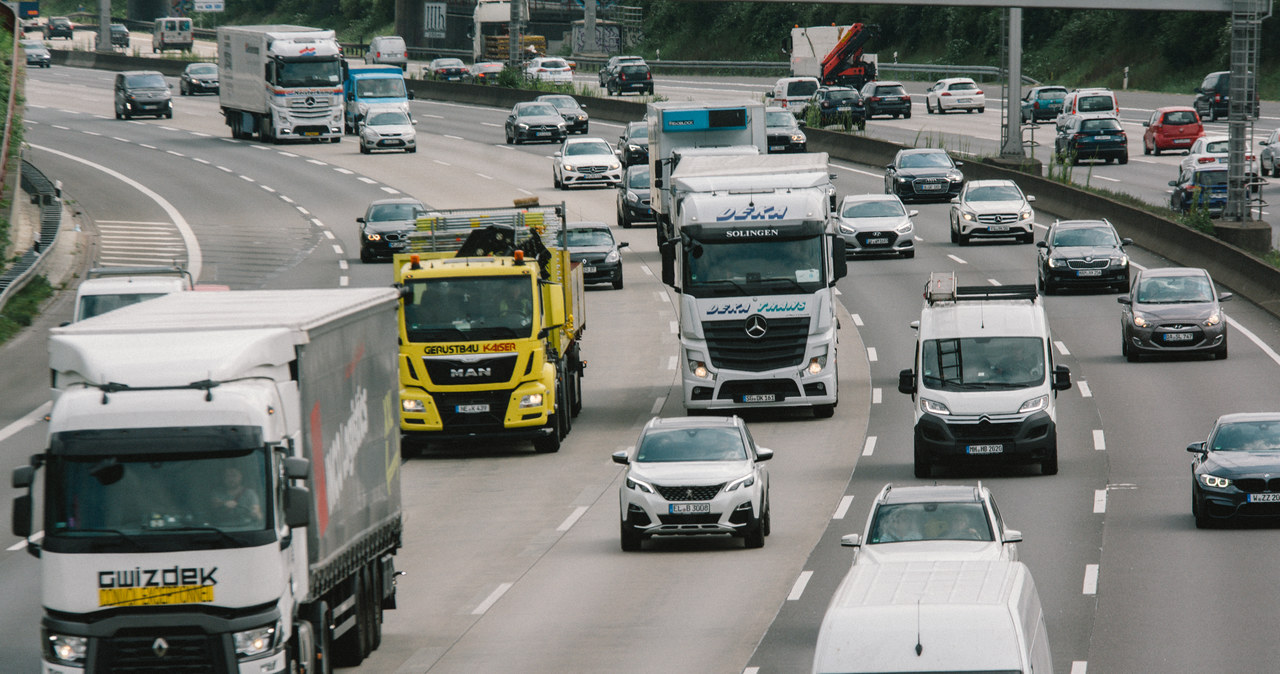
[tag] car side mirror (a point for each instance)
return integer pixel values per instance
(1125, 300)
(1196, 448)
(912, 214)
(580, 105)
(623, 244)
(763, 453)
(1031, 198)
(1126, 241)
(1011, 536)
(1061, 378)
(1225, 297)
(409, 94)
(556, 154)
(959, 163)
(620, 457)
(907, 382)
(1147, 123)
(955, 200)
(360, 220)
(851, 541)
(768, 94)
(1173, 183)
(1042, 244)
(802, 124)
(413, 122)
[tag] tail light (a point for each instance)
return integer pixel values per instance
(907, 98)
(977, 93)
(945, 93)
(648, 76)
(874, 99)
(1207, 160)
(1035, 105)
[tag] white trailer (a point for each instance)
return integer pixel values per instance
(280, 82)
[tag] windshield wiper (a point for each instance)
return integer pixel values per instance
(785, 279)
(136, 544)
(725, 281)
(229, 538)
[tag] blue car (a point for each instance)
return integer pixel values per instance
(1041, 103)
(1200, 185)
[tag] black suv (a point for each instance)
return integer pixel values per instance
(630, 76)
(1213, 98)
(838, 105)
(886, 98)
(59, 26)
(142, 92)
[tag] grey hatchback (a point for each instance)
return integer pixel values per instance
(142, 92)
(1172, 310)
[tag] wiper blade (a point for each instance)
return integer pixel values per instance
(726, 281)
(215, 530)
(784, 279)
(121, 534)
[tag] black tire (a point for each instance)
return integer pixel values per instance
(575, 385)
(549, 444)
(824, 411)
(962, 239)
(1155, 149)
(617, 283)
(365, 255)
(120, 115)
(1131, 354)
(348, 648)
(1222, 353)
(922, 467)
(955, 236)
(907, 255)
(906, 115)
(168, 115)
(1124, 159)
(363, 149)
(1198, 512)
(928, 107)
(364, 613)
(375, 575)
(319, 617)
(982, 109)
(753, 537)
(1049, 465)
(629, 538)
(766, 522)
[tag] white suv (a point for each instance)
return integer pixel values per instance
(688, 476)
(955, 93)
(992, 209)
(934, 522)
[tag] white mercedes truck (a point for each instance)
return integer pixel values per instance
(280, 82)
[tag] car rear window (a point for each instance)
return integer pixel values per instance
(1100, 125)
(1099, 103)
(554, 63)
(802, 87)
(1217, 147)
(962, 86)
(893, 90)
(635, 69)
(1051, 93)
(1180, 117)
(844, 96)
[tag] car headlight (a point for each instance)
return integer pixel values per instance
(615, 166)
(373, 237)
(798, 138)
(1213, 319)
(746, 481)
(904, 228)
(637, 485)
(561, 126)
(612, 256)
(531, 400)
(633, 198)
(847, 229)
(1025, 214)
(1056, 262)
(67, 650)
(1120, 261)
(416, 406)
(1035, 404)
(968, 216)
(569, 167)
(634, 148)
(933, 407)
(955, 176)
(902, 179)
(1140, 320)
(1214, 481)
(255, 641)
(522, 126)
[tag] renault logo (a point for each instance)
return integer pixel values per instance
(160, 647)
(756, 326)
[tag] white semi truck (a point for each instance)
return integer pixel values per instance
(755, 259)
(280, 82)
(221, 485)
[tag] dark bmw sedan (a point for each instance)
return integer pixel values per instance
(923, 173)
(1236, 472)
(385, 226)
(592, 244)
(1173, 310)
(1083, 253)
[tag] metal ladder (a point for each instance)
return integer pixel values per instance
(1242, 109)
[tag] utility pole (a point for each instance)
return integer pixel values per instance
(104, 26)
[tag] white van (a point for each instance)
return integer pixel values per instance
(1089, 101)
(793, 93)
(388, 49)
(984, 385)
(939, 616)
(171, 32)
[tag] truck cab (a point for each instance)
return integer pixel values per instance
(365, 86)
(108, 288)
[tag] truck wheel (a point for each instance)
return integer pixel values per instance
(320, 645)
(375, 598)
(548, 444)
(575, 384)
(347, 648)
(563, 404)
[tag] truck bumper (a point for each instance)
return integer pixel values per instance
(477, 414)
(732, 390)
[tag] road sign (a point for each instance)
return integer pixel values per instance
(209, 6)
(433, 20)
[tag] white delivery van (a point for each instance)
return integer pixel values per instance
(171, 32)
(934, 616)
(388, 49)
(984, 385)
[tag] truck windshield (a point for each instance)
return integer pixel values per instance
(468, 309)
(308, 73)
(127, 496)
(93, 305)
(980, 363)
(380, 88)
(729, 267)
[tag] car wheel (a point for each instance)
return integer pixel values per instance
(907, 255)
(1155, 149)
(364, 149)
(928, 108)
(182, 88)
(1198, 512)
(1130, 353)
(906, 115)
(1049, 288)
(753, 537)
(630, 538)
(1213, 114)
(1221, 354)
(168, 115)
(922, 468)
(982, 109)
(962, 239)
(1049, 465)
(617, 283)
(955, 236)
(766, 522)
(365, 256)
(1124, 159)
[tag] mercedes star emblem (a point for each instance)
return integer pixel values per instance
(756, 326)
(311, 100)
(160, 647)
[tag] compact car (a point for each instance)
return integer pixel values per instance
(593, 245)
(877, 224)
(486, 71)
(585, 161)
(934, 522)
(630, 76)
(59, 26)
(1091, 136)
(1173, 310)
(549, 69)
(1041, 103)
(784, 132)
(142, 92)
(37, 53)
(1171, 128)
(1082, 253)
(883, 97)
(633, 196)
(633, 144)
(574, 113)
(839, 105)
(199, 78)
(448, 70)
(1200, 186)
(387, 128)
(955, 93)
(533, 121)
(385, 226)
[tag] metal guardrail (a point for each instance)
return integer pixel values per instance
(44, 192)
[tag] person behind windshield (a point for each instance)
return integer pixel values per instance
(899, 525)
(233, 503)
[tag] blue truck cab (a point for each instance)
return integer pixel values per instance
(368, 85)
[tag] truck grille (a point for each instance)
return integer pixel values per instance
(455, 421)
(182, 654)
(781, 388)
(690, 493)
(781, 346)
(456, 372)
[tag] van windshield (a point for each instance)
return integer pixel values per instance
(981, 363)
(1095, 104)
(389, 87)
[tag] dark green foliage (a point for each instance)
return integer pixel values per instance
(19, 311)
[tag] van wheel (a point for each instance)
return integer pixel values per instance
(922, 467)
(1049, 466)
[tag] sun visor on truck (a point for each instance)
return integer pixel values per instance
(304, 48)
(753, 231)
(163, 440)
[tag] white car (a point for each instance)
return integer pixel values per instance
(992, 209)
(1213, 150)
(586, 161)
(877, 224)
(549, 69)
(387, 128)
(955, 93)
(932, 523)
(694, 475)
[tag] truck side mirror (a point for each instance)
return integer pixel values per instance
(668, 250)
(22, 516)
(297, 507)
(907, 382)
(296, 467)
(1061, 378)
(839, 259)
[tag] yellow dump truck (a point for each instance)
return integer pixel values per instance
(491, 319)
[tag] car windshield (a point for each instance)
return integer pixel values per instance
(802, 87)
(638, 134)
(389, 118)
(994, 193)
(1092, 236)
(591, 147)
(32, 44)
(930, 522)
(962, 86)
(472, 308)
(146, 81)
(388, 212)
(449, 63)
(588, 238)
(977, 363)
(893, 90)
(925, 160)
(203, 69)
(383, 87)
(1100, 103)
(1180, 117)
(692, 444)
(1100, 125)
(545, 110)
(1174, 290)
(1247, 436)
(874, 209)
(638, 179)
(562, 102)
(779, 118)
(720, 267)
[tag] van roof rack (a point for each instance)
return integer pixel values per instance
(942, 288)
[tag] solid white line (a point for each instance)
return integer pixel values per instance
(1091, 579)
(572, 518)
(797, 590)
(1062, 348)
(657, 405)
(367, 181)
(26, 421)
(1099, 501)
(1079, 667)
(871, 354)
(1254, 338)
(485, 176)
(843, 508)
(672, 362)
(958, 260)
(1099, 441)
(492, 599)
(1114, 180)
(1084, 389)
(854, 170)
(857, 320)
(870, 446)
(390, 190)
(675, 328)
(875, 396)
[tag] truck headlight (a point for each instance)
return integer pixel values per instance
(816, 364)
(415, 406)
(699, 369)
(933, 407)
(531, 400)
(255, 641)
(1034, 405)
(67, 650)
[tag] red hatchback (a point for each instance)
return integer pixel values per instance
(1172, 128)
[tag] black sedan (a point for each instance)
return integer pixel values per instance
(783, 131)
(59, 26)
(923, 173)
(1173, 310)
(1082, 253)
(633, 144)
(1236, 472)
(385, 226)
(448, 70)
(633, 197)
(592, 244)
(574, 114)
(531, 120)
(198, 78)
(839, 105)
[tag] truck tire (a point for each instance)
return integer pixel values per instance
(375, 598)
(320, 644)
(575, 382)
(548, 444)
(348, 648)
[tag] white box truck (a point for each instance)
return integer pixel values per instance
(755, 259)
(221, 484)
(934, 616)
(280, 82)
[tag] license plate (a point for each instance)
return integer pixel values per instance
(777, 147)
(881, 241)
(543, 133)
(984, 449)
(588, 270)
(965, 100)
(393, 142)
(1178, 337)
(998, 228)
(1102, 137)
(1182, 140)
(759, 398)
(311, 133)
(1264, 498)
(472, 409)
(845, 109)
(933, 188)
(1089, 272)
(689, 508)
